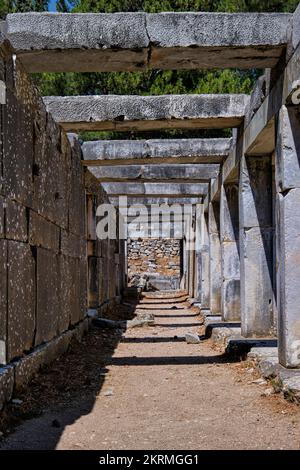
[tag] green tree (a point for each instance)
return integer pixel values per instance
(22, 6)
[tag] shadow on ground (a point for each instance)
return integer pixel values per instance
(68, 389)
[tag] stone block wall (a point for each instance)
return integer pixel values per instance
(106, 275)
(42, 213)
(45, 279)
(153, 256)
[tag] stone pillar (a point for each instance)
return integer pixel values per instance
(214, 257)
(198, 270)
(288, 235)
(191, 254)
(256, 240)
(205, 265)
(229, 234)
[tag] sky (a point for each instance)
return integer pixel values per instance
(51, 5)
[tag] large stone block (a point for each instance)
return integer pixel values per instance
(205, 269)
(288, 260)
(17, 150)
(215, 272)
(43, 233)
(230, 260)
(93, 280)
(52, 169)
(83, 284)
(214, 217)
(288, 149)
(2, 216)
(3, 301)
(67, 292)
(77, 211)
(21, 299)
(72, 245)
(16, 221)
(6, 384)
(48, 295)
(229, 213)
(231, 300)
(256, 192)
(125, 113)
(256, 281)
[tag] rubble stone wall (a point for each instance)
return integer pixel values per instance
(154, 256)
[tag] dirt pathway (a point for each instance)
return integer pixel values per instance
(158, 392)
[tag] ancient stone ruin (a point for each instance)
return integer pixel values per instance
(244, 191)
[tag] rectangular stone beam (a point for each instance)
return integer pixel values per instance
(147, 201)
(145, 113)
(155, 173)
(160, 151)
(76, 42)
(155, 189)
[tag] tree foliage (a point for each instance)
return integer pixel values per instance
(152, 82)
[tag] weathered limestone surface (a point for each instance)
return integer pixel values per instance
(155, 189)
(43, 247)
(288, 149)
(21, 291)
(3, 300)
(125, 113)
(289, 272)
(256, 246)
(288, 228)
(132, 41)
(156, 173)
(215, 257)
(229, 234)
(117, 152)
(43, 233)
(147, 201)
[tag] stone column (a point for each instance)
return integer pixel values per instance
(288, 235)
(205, 265)
(214, 257)
(256, 240)
(229, 234)
(198, 270)
(192, 254)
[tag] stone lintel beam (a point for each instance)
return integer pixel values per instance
(148, 201)
(97, 42)
(155, 151)
(155, 189)
(155, 173)
(142, 113)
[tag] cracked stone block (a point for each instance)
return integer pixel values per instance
(43, 233)
(16, 221)
(288, 149)
(21, 299)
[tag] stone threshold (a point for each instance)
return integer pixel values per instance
(18, 373)
(262, 354)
